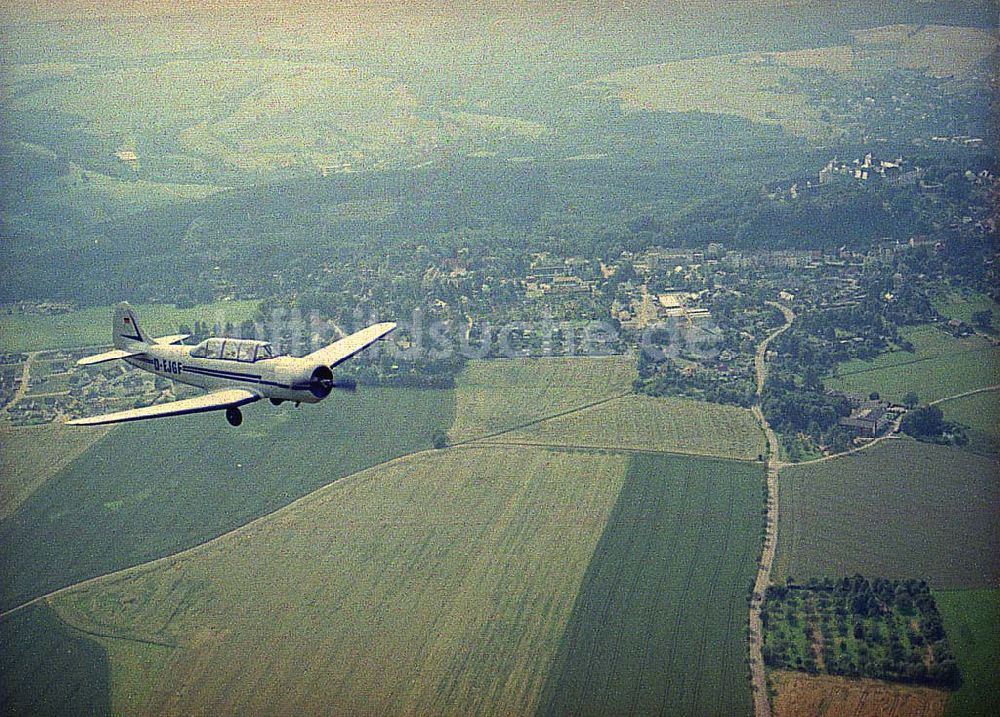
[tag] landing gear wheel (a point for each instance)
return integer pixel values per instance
(234, 416)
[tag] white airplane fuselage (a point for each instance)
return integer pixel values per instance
(235, 372)
(282, 378)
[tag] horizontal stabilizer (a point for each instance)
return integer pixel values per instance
(112, 355)
(172, 339)
(340, 351)
(214, 401)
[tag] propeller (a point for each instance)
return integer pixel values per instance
(321, 382)
(345, 384)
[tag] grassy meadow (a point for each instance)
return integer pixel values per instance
(939, 366)
(496, 396)
(644, 423)
(972, 619)
(148, 489)
(438, 584)
(900, 510)
(92, 326)
(980, 414)
(962, 305)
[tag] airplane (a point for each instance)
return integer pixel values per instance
(235, 371)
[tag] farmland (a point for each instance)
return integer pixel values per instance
(757, 86)
(440, 582)
(741, 85)
(856, 627)
(92, 326)
(937, 49)
(30, 455)
(444, 585)
(495, 396)
(645, 423)
(972, 618)
(800, 694)
(939, 366)
(658, 625)
(256, 114)
(980, 413)
(900, 510)
(962, 305)
(49, 669)
(107, 509)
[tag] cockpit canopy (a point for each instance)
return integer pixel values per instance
(246, 350)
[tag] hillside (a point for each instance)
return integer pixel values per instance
(764, 87)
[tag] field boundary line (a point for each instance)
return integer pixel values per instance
(536, 421)
(973, 392)
(592, 448)
(139, 568)
(934, 357)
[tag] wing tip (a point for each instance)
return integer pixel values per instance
(80, 422)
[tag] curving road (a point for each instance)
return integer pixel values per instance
(758, 678)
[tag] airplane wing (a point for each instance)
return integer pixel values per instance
(214, 401)
(113, 355)
(172, 339)
(340, 351)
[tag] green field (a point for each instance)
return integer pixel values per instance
(645, 423)
(658, 626)
(462, 581)
(30, 455)
(496, 396)
(980, 413)
(740, 85)
(962, 305)
(48, 669)
(437, 584)
(900, 510)
(92, 326)
(972, 619)
(762, 87)
(940, 366)
(147, 489)
(259, 114)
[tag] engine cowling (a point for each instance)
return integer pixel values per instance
(321, 382)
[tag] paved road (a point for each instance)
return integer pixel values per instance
(25, 378)
(758, 678)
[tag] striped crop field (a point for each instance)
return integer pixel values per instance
(645, 423)
(438, 584)
(900, 510)
(498, 395)
(658, 626)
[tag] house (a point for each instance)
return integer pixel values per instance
(869, 419)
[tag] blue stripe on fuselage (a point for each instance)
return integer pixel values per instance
(215, 373)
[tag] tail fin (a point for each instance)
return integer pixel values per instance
(125, 327)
